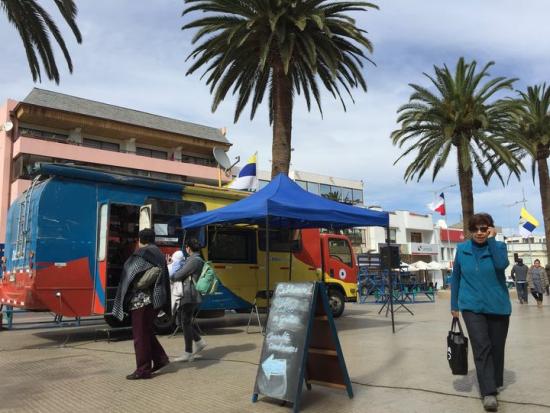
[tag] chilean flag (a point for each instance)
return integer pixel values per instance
(438, 205)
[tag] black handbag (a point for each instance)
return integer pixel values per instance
(457, 349)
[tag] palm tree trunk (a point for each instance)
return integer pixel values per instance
(466, 193)
(282, 120)
(544, 183)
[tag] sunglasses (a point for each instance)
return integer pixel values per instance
(479, 229)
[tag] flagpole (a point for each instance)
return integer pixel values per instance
(528, 238)
(446, 223)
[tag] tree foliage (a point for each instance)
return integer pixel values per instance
(35, 26)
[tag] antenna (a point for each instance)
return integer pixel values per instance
(7, 126)
(220, 155)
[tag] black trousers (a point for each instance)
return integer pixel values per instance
(538, 296)
(487, 334)
(190, 330)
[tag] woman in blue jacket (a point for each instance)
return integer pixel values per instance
(479, 292)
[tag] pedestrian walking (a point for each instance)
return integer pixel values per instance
(190, 299)
(479, 292)
(519, 275)
(144, 290)
(547, 269)
(538, 281)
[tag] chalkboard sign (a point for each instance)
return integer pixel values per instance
(301, 345)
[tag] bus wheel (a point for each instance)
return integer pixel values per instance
(164, 323)
(337, 302)
(114, 322)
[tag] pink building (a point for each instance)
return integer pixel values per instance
(53, 127)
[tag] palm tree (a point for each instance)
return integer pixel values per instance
(35, 25)
(462, 113)
(533, 132)
(284, 46)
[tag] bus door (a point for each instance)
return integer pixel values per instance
(339, 259)
(117, 240)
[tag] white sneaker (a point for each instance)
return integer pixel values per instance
(199, 346)
(186, 357)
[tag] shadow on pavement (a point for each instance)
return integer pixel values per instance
(468, 383)
(208, 357)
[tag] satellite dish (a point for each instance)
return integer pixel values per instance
(6, 127)
(221, 158)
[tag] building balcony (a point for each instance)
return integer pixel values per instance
(76, 153)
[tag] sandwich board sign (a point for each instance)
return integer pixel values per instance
(301, 345)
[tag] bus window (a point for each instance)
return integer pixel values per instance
(281, 240)
(167, 215)
(339, 249)
(232, 245)
(102, 248)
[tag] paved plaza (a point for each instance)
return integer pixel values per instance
(62, 369)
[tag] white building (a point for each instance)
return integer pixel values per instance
(529, 249)
(349, 191)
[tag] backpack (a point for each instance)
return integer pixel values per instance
(208, 281)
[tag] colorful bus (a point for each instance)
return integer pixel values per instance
(69, 234)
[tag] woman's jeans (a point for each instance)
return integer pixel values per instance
(190, 330)
(487, 334)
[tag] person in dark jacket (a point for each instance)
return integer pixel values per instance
(478, 290)
(519, 275)
(190, 300)
(144, 304)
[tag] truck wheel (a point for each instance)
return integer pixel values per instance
(164, 323)
(337, 302)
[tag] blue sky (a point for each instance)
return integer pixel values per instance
(134, 52)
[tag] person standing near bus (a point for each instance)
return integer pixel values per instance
(538, 281)
(144, 303)
(191, 299)
(479, 291)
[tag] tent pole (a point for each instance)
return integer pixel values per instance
(267, 259)
(390, 278)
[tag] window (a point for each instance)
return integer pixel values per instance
(198, 160)
(303, 184)
(102, 232)
(355, 235)
(324, 190)
(40, 134)
(357, 197)
(346, 195)
(340, 250)
(313, 187)
(280, 240)
(416, 237)
(151, 153)
(232, 245)
(97, 144)
(167, 215)
(443, 253)
(393, 235)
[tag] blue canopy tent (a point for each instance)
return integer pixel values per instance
(284, 204)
